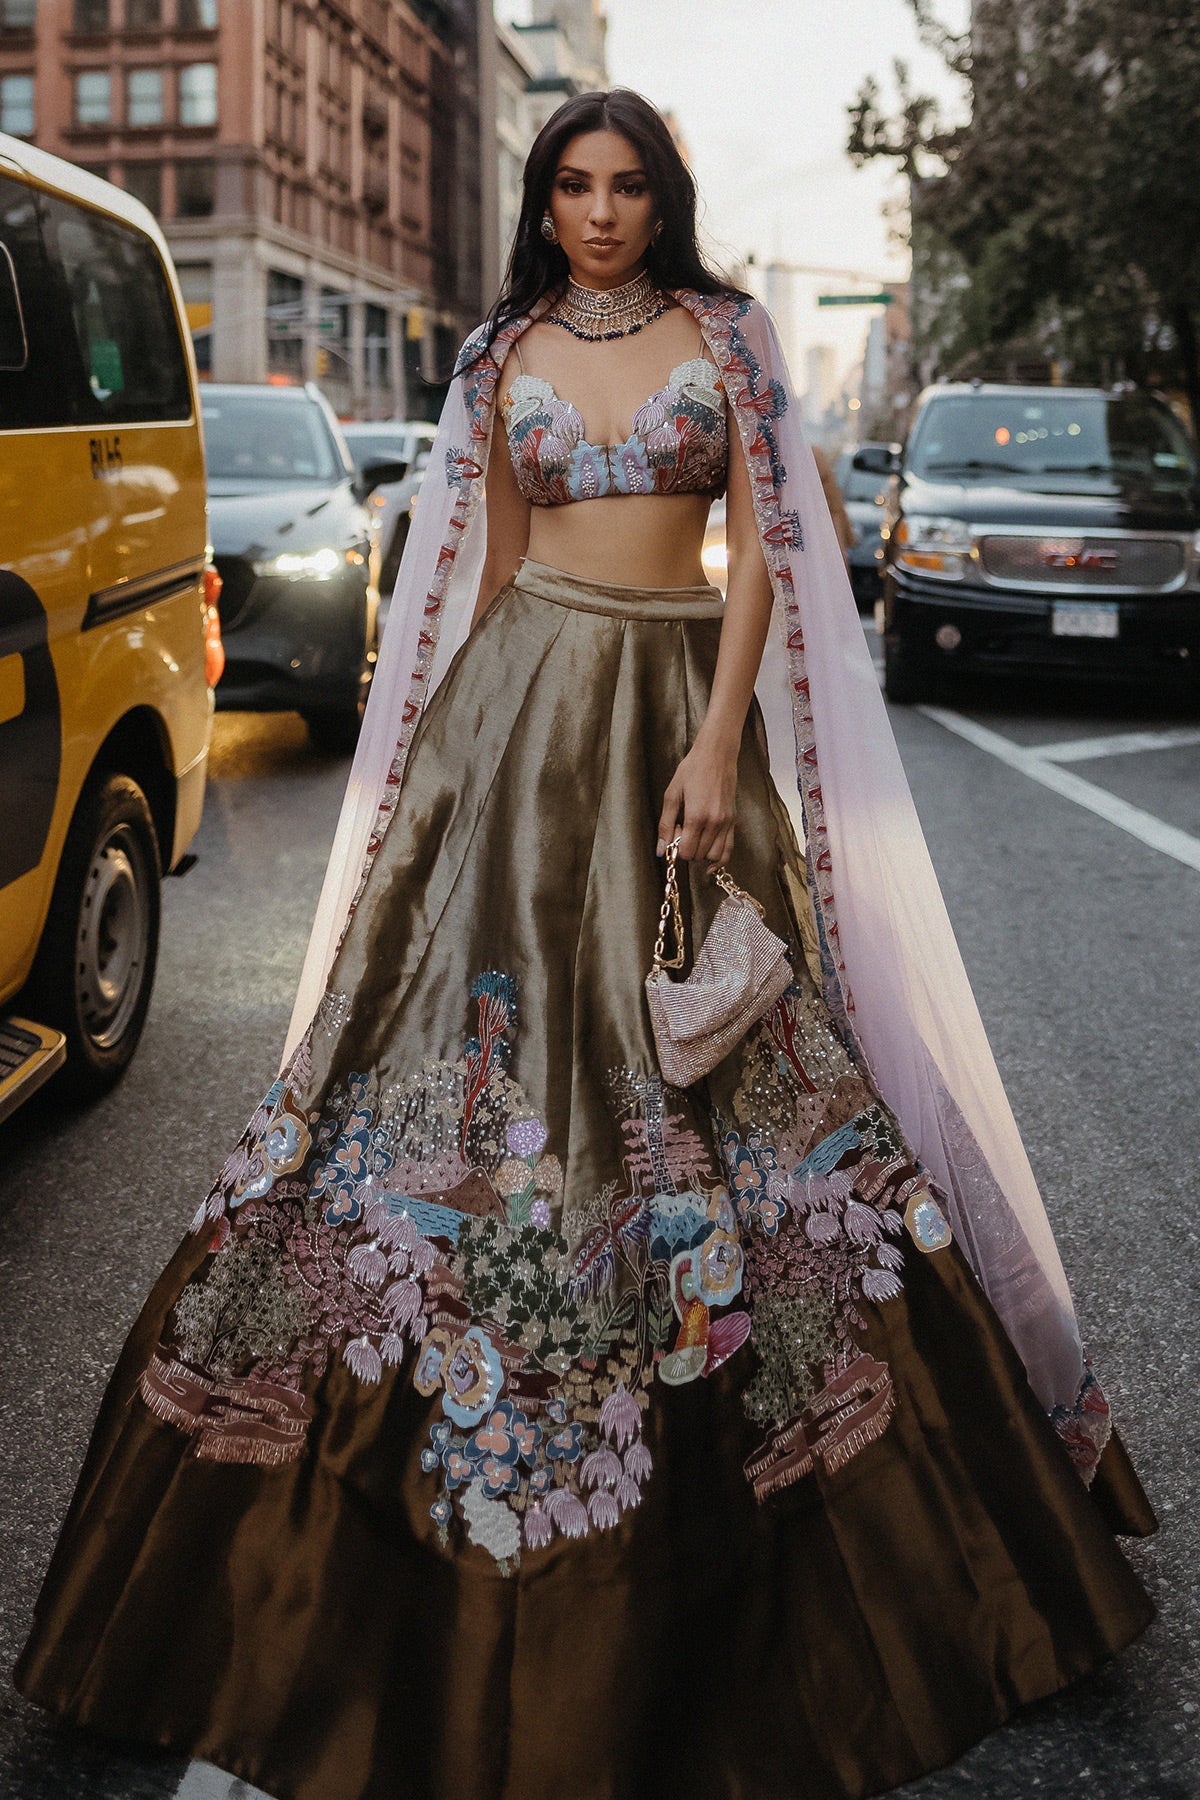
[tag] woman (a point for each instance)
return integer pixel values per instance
(503, 1390)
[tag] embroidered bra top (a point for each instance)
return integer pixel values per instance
(676, 444)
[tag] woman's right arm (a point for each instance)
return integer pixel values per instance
(507, 520)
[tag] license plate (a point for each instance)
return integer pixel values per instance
(1093, 618)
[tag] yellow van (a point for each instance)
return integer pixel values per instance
(105, 710)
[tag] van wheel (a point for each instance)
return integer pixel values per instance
(904, 681)
(334, 729)
(95, 965)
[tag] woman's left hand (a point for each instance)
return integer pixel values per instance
(702, 792)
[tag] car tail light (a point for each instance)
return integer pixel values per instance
(214, 649)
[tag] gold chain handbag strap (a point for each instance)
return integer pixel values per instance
(724, 879)
(670, 912)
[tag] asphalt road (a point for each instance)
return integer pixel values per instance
(1080, 925)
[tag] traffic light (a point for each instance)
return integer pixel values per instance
(322, 360)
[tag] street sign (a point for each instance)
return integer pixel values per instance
(292, 324)
(855, 299)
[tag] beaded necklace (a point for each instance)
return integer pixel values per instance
(608, 312)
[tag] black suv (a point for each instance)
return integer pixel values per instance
(1039, 527)
(295, 550)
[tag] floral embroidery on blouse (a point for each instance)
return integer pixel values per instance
(677, 443)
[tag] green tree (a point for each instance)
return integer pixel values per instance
(1071, 199)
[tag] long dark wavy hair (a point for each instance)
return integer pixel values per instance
(673, 260)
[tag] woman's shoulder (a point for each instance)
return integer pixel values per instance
(484, 335)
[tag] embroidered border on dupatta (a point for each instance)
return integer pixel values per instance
(757, 403)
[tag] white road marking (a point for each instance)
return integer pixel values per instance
(204, 1782)
(1168, 839)
(1120, 743)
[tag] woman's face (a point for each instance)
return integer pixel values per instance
(602, 208)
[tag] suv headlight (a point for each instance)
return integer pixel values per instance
(306, 565)
(933, 546)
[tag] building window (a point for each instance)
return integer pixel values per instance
(377, 352)
(195, 189)
(285, 328)
(197, 15)
(18, 15)
(93, 103)
(91, 17)
(144, 181)
(16, 105)
(198, 94)
(143, 15)
(144, 97)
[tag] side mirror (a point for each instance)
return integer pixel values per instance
(876, 460)
(375, 475)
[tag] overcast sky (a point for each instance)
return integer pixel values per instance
(760, 89)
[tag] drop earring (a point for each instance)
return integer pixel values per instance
(548, 230)
(656, 233)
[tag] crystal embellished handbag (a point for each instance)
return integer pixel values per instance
(740, 971)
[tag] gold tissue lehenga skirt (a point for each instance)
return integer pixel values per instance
(510, 1424)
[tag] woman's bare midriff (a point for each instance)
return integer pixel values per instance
(636, 540)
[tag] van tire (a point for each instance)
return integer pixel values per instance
(334, 729)
(94, 970)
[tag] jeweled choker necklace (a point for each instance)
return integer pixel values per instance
(608, 312)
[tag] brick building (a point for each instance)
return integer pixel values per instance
(315, 165)
(545, 51)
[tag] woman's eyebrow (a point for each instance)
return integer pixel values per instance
(621, 174)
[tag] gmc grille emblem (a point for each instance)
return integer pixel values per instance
(1103, 561)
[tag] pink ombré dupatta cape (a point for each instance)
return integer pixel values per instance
(892, 974)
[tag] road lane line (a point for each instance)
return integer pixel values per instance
(1144, 826)
(1120, 743)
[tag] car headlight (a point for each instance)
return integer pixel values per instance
(714, 558)
(306, 565)
(933, 546)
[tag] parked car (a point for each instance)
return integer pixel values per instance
(298, 557)
(407, 444)
(864, 494)
(105, 609)
(1046, 528)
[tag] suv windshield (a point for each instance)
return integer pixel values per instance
(275, 437)
(1051, 434)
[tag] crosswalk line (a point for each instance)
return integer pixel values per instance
(1155, 832)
